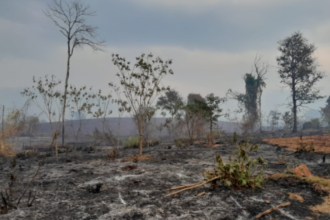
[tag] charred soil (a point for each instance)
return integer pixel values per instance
(90, 186)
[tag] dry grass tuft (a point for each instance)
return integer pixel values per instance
(296, 196)
(321, 143)
(6, 150)
(113, 154)
(319, 184)
(322, 208)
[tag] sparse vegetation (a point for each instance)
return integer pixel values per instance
(106, 179)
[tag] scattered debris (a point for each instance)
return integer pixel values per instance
(136, 158)
(94, 188)
(201, 194)
(129, 167)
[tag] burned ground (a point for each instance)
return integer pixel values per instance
(128, 190)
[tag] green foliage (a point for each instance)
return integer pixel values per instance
(287, 118)
(132, 141)
(179, 144)
(52, 98)
(312, 124)
(140, 85)
(326, 112)
(250, 101)
(298, 71)
(241, 172)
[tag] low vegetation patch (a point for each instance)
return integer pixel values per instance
(6, 150)
(240, 173)
(133, 142)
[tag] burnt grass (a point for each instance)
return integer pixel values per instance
(90, 186)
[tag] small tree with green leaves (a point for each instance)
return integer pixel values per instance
(193, 116)
(172, 103)
(51, 98)
(287, 118)
(212, 112)
(273, 119)
(80, 106)
(102, 104)
(141, 85)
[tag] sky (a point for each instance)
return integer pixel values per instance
(212, 43)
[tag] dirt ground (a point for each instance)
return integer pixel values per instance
(67, 189)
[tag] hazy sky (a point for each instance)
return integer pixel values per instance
(212, 43)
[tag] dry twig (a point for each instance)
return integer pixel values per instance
(271, 210)
(187, 187)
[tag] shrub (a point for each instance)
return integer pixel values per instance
(26, 154)
(240, 172)
(113, 154)
(178, 143)
(303, 148)
(132, 141)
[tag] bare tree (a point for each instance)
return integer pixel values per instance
(70, 18)
(261, 70)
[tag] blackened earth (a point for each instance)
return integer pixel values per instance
(92, 187)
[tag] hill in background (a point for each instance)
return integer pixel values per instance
(127, 126)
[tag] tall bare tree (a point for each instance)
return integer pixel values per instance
(70, 18)
(298, 71)
(260, 68)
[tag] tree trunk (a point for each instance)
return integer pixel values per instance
(3, 122)
(259, 113)
(65, 92)
(294, 109)
(140, 139)
(211, 134)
